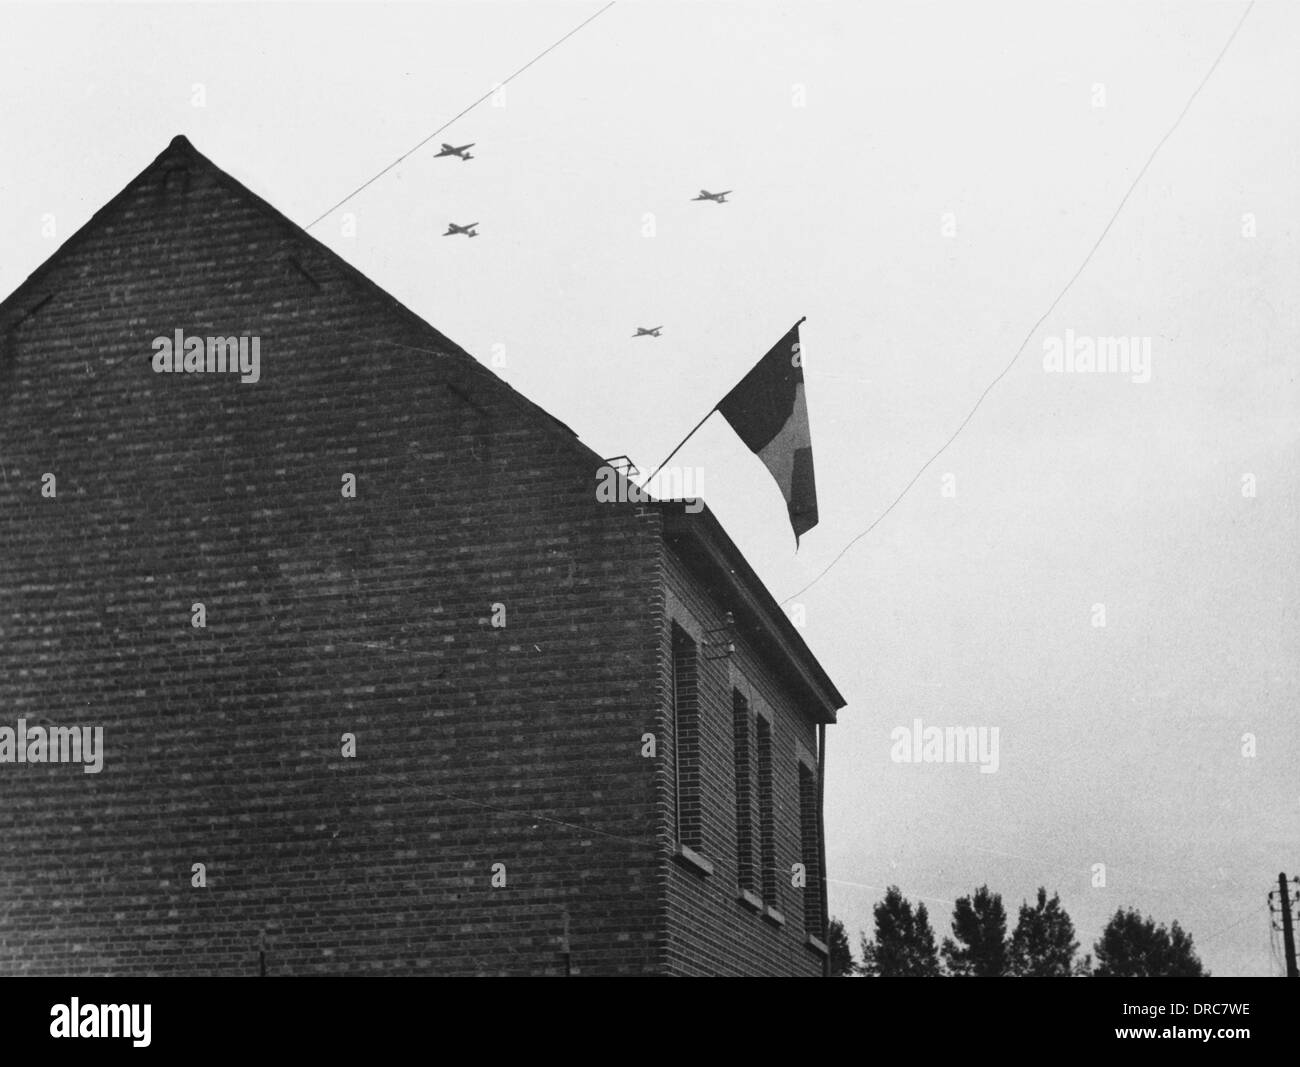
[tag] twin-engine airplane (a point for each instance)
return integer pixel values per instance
(717, 198)
(468, 230)
(641, 331)
(452, 150)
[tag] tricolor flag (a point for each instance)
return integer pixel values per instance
(768, 411)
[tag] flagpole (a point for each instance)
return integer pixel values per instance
(680, 443)
(705, 419)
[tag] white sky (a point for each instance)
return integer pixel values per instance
(1119, 745)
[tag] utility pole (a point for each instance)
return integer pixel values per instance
(1288, 936)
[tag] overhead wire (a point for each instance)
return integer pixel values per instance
(496, 88)
(1043, 317)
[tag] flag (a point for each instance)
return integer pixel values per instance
(769, 413)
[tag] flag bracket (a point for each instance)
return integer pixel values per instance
(623, 465)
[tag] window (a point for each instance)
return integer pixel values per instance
(813, 920)
(741, 731)
(766, 814)
(686, 740)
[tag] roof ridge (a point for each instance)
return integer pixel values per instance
(179, 142)
(181, 146)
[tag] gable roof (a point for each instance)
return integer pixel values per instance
(181, 153)
(700, 538)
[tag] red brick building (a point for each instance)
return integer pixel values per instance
(445, 713)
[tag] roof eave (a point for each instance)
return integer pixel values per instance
(705, 546)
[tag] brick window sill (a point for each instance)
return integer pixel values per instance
(773, 916)
(750, 901)
(817, 945)
(693, 859)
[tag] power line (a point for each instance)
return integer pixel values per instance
(1042, 318)
(1219, 933)
(490, 92)
(879, 889)
(376, 177)
(370, 181)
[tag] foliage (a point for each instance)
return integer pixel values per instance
(904, 943)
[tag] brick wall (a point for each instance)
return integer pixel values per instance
(709, 930)
(324, 615)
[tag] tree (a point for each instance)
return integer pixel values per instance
(1043, 945)
(979, 924)
(1131, 946)
(837, 940)
(904, 944)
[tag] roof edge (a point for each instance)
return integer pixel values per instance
(717, 556)
(179, 143)
(181, 148)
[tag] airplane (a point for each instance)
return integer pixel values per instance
(452, 150)
(468, 231)
(717, 198)
(641, 331)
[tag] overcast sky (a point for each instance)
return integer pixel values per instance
(948, 171)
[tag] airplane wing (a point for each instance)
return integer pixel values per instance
(447, 148)
(465, 146)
